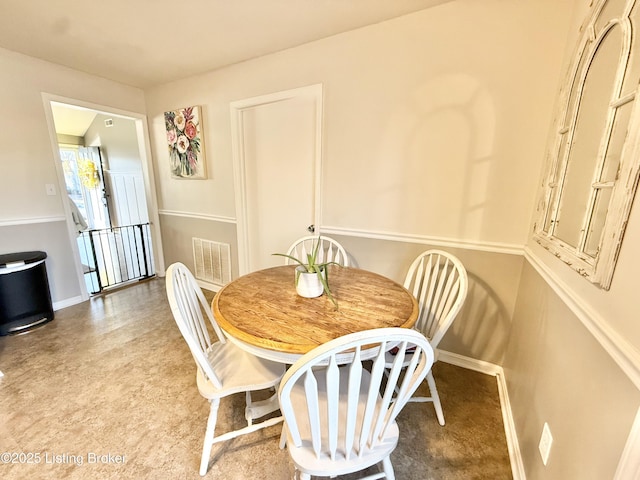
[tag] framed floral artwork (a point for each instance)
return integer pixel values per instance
(186, 146)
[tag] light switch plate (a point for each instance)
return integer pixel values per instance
(51, 189)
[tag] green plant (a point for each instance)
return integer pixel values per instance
(312, 266)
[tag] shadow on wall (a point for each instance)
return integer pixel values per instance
(481, 329)
(352, 260)
(443, 137)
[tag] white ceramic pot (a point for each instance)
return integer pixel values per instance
(308, 285)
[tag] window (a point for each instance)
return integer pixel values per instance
(594, 157)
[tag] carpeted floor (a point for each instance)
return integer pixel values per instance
(107, 390)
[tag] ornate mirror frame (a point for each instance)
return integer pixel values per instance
(593, 157)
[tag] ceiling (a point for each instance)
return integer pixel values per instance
(149, 42)
(71, 120)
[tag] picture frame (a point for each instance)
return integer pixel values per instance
(185, 143)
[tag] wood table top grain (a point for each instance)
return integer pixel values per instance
(263, 310)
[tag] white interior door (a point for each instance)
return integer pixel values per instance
(277, 150)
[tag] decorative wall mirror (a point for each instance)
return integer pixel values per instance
(594, 155)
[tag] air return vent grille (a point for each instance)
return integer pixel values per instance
(212, 261)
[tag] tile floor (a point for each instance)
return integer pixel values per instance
(107, 390)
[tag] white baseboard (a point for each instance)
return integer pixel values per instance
(517, 466)
(212, 287)
(515, 457)
(67, 302)
(469, 363)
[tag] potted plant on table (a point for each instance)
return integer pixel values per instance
(311, 276)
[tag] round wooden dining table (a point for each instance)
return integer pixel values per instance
(263, 314)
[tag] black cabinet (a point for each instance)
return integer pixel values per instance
(25, 299)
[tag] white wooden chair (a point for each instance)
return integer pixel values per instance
(339, 416)
(330, 250)
(223, 368)
(439, 282)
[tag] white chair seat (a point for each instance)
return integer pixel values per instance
(305, 458)
(223, 368)
(342, 419)
(236, 370)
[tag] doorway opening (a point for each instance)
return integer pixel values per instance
(105, 186)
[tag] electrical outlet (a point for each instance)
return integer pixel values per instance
(545, 443)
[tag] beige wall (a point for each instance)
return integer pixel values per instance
(482, 327)
(435, 127)
(178, 232)
(615, 307)
(52, 238)
(434, 123)
(29, 218)
(26, 153)
(572, 357)
(120, 149)
(558, 373)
